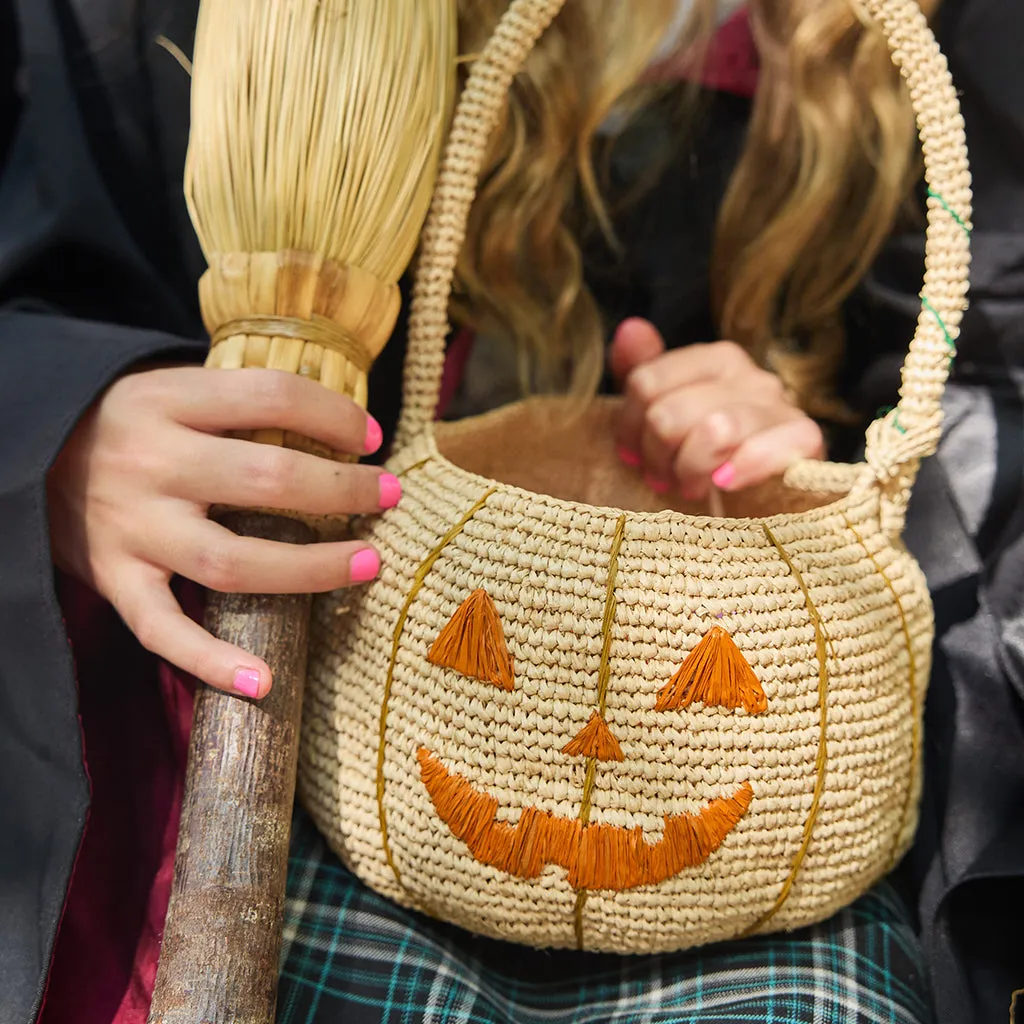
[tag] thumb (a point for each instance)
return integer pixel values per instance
(636, 341)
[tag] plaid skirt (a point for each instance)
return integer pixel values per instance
(353, 957)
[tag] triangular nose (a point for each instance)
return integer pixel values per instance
(595, 740)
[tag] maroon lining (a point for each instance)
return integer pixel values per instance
(732, 62)
(135, 714)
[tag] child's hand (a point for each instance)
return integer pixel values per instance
(129, 493)
(704, 414)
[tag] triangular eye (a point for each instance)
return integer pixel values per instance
(714, 673)
(473, 643)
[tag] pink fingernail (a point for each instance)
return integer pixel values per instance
(390, 490)
(374, 435)
(656, 485)
(628, 456)
(723, 477)
(247, 682)
(364, 566)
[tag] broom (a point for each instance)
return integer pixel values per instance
(316, 133)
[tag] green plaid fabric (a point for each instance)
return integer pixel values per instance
(352, 957)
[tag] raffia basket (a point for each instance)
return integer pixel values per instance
(567, 716)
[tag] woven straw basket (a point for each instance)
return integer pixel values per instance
(567, 716)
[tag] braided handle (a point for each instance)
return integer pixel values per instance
(476, 116)
(896, 443)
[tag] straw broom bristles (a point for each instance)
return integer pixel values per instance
(317, 126)
(316, 133)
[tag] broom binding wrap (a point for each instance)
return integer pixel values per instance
(334, 319)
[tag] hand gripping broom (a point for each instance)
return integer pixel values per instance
(316, 132)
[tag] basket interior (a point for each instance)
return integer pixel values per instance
(556, 446)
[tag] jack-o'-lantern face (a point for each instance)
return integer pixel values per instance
(595, 856)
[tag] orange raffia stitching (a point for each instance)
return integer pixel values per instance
(714, 673)
(473, 643)
(595, 740)
(596, 856)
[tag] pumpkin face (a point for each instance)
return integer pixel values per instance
(617, 731)
(595, 856)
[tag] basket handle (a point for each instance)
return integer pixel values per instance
(480, 106)
(895, 443)
(898, 441)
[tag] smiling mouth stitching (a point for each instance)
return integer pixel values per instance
(596, 856)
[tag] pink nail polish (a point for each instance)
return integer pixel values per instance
(723, 477)
(374, 435)
(247, 682)
(390, 490)
(628, 456)
(364, 566)
(656, 485)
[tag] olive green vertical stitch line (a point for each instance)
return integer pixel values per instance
(416, 465)
(609, 616)
(581, 902)
(417, 583)
(603, 674)
(821, 762)
(949, 209)
(915, 741)
(357, 521)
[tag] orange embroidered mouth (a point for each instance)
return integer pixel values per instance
(596, 856)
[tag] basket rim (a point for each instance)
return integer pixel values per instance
(860, 480)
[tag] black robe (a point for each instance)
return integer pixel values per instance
(98, 266)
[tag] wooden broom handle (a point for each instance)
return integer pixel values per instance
(222, 938)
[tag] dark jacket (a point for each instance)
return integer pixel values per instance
(98, 266)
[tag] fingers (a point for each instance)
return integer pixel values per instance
(692, 432)
(252, 399)
(684, 367)
(147, 605)
(769, 453)
(213, 556)
(231, 472)
(691, 367)
(636, 342)
(707, 414)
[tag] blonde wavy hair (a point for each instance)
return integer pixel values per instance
(829, 162)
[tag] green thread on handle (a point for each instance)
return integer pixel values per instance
(926, 303)
(945, 330)
(949, 209)
(885, 410)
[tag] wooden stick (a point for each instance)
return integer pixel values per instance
(222, 937)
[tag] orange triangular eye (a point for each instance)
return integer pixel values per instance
(473, 643)
(595, 740)
(714, 672)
